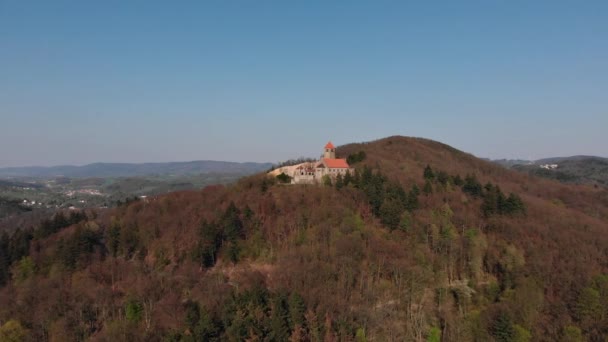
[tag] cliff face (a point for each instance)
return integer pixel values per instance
(424, 241)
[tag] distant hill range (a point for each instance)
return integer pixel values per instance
(133, 170)
(576, 169)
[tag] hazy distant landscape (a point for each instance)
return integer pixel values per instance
(26, 189)
(589, 170)
(131, 170)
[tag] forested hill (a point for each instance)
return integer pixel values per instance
(422, 243)
(579, 170)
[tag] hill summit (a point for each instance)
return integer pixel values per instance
(420, 242)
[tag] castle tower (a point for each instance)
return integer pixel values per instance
(330, 151)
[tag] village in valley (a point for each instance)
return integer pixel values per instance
(314, 172)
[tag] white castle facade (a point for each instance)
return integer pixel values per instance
(313, 172)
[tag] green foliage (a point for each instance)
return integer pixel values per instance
(233, 251)
(339, 181)
(78, 247)
(254, 314)
(588, 305)
(25, 268)
(297, 308)
(13, 331)
(210, 241)
(201, 325)
(326, 180)
(246, 313)
(502, 328)
(405, 224)
(412, 203)
(571, 333)
(434, 335)
(360, 335)
(13, 249)
(428, 174)
(279, 319)
(348, 179)
(495, 202)
(390, 213)
(428, 188)
(193, 314)
(283, 178)
(133, 310)
(388, 200)
(520, 334)
(129, 240)
(356, 157)
(207, 328)
(457, 180)
(113, 239)
(472, 186)
(58, 222)
(4, 259)
(442, 178)
(232, 223)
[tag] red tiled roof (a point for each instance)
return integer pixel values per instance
(336, 163)
(330, 145)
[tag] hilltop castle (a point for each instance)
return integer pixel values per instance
(313, 172)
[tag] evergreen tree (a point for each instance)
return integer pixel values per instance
(415, 190)
(113, 239)
(279, 319)
(339, 182)
(283, 178)
(297, 309)
(4, 259)
(442, 178)
(129, 240)
(232, 224)
(472, 186)
(428, 188)
(456, 180)
(428, 173)
(207, 329)
(489, 206)
(348, 178)
(192, 314)
(208, 245)
(412, 199)
(133, 310)
(502, 328)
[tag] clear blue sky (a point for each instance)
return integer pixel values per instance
(134, 81)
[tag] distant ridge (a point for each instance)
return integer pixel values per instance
(130, 170)
(575, 169)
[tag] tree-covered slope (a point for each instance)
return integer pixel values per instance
(423, 242)
(579, 170)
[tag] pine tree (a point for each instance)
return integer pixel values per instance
(279, 320)
(232, 224)
(339, 181)
(348, 178)
(297, 308)
(428, 173)
(428, 188)
(502, 328)
(472, 186)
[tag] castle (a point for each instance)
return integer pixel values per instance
(313, 172)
